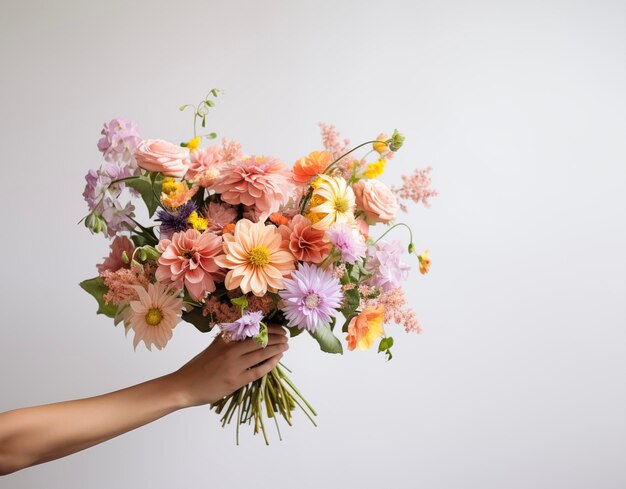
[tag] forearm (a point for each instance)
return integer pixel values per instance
(30, 436)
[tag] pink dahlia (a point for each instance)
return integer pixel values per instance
(153, 316)
(188, 260)
(261, 181)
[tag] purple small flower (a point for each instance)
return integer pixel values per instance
(118, 218)
(247, 326)
(311, 297)
(98, 182)
(175, 221)
(348, 241)
(119, 141)
(384, 264)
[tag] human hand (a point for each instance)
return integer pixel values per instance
(223, 367)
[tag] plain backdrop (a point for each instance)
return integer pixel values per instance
(518, 378)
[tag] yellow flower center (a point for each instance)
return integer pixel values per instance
(341, 204)
(154, 316)
(198, 222)
(259, 256)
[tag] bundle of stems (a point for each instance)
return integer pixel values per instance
(275, 393)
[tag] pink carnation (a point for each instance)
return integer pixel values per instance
(189, 259)
(261, 181)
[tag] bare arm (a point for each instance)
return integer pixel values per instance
(34, 435)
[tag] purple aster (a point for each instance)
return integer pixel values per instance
(175, 221)
(348, 241)
(311, 297)
(247, 326)
(119, 141)
(384, 264)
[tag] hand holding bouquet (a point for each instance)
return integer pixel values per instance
(238, 241)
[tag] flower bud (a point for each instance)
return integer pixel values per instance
(396, 141)
(95, 223)
(150, 253)
(381, 145)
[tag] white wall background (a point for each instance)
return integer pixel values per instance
(518, 379)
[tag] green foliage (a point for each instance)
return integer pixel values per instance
(385, 346)
(327, 340)
(353, 300)
(196, 318)
(294, 331)
(262, 337)
(241, 302)
(149, 187)
(95, 287)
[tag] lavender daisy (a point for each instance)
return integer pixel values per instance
(348, 242)
(247, 326)
(384, 264)
(175, 221)
(311, 297)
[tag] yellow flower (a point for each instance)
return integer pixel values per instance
(193, 143)
(177, 193)
(424, 260)
(170, 185)
(375, 169)
(365, 328)
(332, 202)
(198, 222)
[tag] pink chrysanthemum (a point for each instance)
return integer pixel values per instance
(258, 180)
(311, 297)
(154, 315)
(189, 259)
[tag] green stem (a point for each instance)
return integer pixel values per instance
(395, 226)
(329, 167)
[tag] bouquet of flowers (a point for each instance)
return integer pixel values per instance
(236, 241)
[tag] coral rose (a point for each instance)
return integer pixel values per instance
(376, 200)
(162, 156)
(310, 166)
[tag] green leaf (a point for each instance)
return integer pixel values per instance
(262, 337)
(353, 299)
(95, 287)
(196, 318)
(148, 189)
(327, 340)
(211, 135)
(183, 107)
(294, 331)
(240, 302)
(385, 346)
